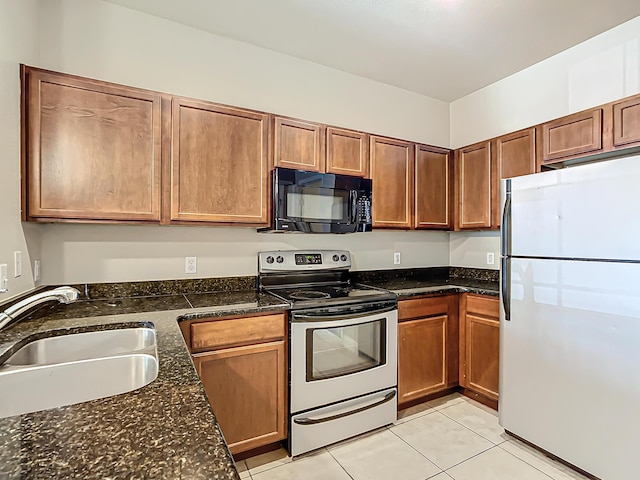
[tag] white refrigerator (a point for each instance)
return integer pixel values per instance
(570, 315)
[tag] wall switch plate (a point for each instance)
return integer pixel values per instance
(190, 264)
(396, 258)
(4, 281)
(17, 263)
(490, 258)
(36, 270)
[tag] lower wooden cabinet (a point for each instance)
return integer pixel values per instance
(246, 384)
(479, 344)
(427, 346)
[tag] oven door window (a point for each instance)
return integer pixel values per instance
(335, 352)
(314, 204)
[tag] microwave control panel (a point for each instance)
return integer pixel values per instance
(363, 212)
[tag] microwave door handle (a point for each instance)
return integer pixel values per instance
(354, 206)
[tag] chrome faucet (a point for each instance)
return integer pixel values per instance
(61, 294)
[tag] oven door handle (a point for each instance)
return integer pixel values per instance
(313, 421)
(303, 317)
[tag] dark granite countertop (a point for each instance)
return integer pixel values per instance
(411, 287)
(165, 430)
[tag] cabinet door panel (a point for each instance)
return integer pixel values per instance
(432, 188)
(626, 122)
(246, 387)
(473, 172)
(421, 357)
(482, 355)
(299, 145)
(347, 152)
(572, 135)
(392, 179)
(93, 149)
(219, 164)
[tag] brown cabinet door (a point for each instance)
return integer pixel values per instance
(515, 156)
(392, 182)
(92, 149)
(626, 123)
(246, 387)
(572, 135)
(473, 186)
(432, 188)
(220, 164)
(479, 344)
(421, 357)
(427, 346)
(347, 152)
(299, 145)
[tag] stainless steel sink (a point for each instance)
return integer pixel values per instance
(83, 346)
(68, 369)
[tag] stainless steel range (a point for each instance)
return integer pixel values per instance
(343, 347)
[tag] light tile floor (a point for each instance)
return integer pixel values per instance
(449, 438)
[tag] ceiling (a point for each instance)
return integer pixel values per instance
(444, 49)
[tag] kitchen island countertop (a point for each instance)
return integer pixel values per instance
(165, 430)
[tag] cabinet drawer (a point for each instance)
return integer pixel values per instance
(422, 307)
(236, 331)
(483, 305)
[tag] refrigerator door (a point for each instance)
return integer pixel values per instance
(590, 211)
(568, 358)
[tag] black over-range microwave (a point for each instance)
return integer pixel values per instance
(320, 202)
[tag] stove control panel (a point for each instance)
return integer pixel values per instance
(300, 260)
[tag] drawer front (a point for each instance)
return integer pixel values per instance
(236, 331)
(422, 307)
(483, 305)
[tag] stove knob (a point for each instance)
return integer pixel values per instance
(279, 259)
(269, 259)
(336, 258)
(343, 258)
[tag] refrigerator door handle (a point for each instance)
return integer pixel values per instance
(505, 230)
(505, 287)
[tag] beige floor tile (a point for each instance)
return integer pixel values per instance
(382, 456)
(320, 466)
(533, 457)
(483, 421)
(413, 412)
(267, 461)
(441, 440)
(242, 469)
(447, 401)
(441, 476)
(495, 464)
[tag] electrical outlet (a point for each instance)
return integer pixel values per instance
(36, 270)
(490, 258)
(396, 258)
(190, 264)
(4, 281)
(17, 263)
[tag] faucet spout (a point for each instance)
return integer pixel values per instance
(61, 294)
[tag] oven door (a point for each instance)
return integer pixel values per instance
(341, 353)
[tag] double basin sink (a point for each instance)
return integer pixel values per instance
(67, 369)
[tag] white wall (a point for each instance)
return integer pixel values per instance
(18, 43)
(98, 253)
(105, 41)
(599, 70)
(469, 249)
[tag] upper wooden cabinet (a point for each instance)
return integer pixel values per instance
(432, 188)
(91, 150)
(572, 135)
(219, 164)
(347, 152)
(473, 174)
(299, 145)
(392, 163)
(626, 123)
